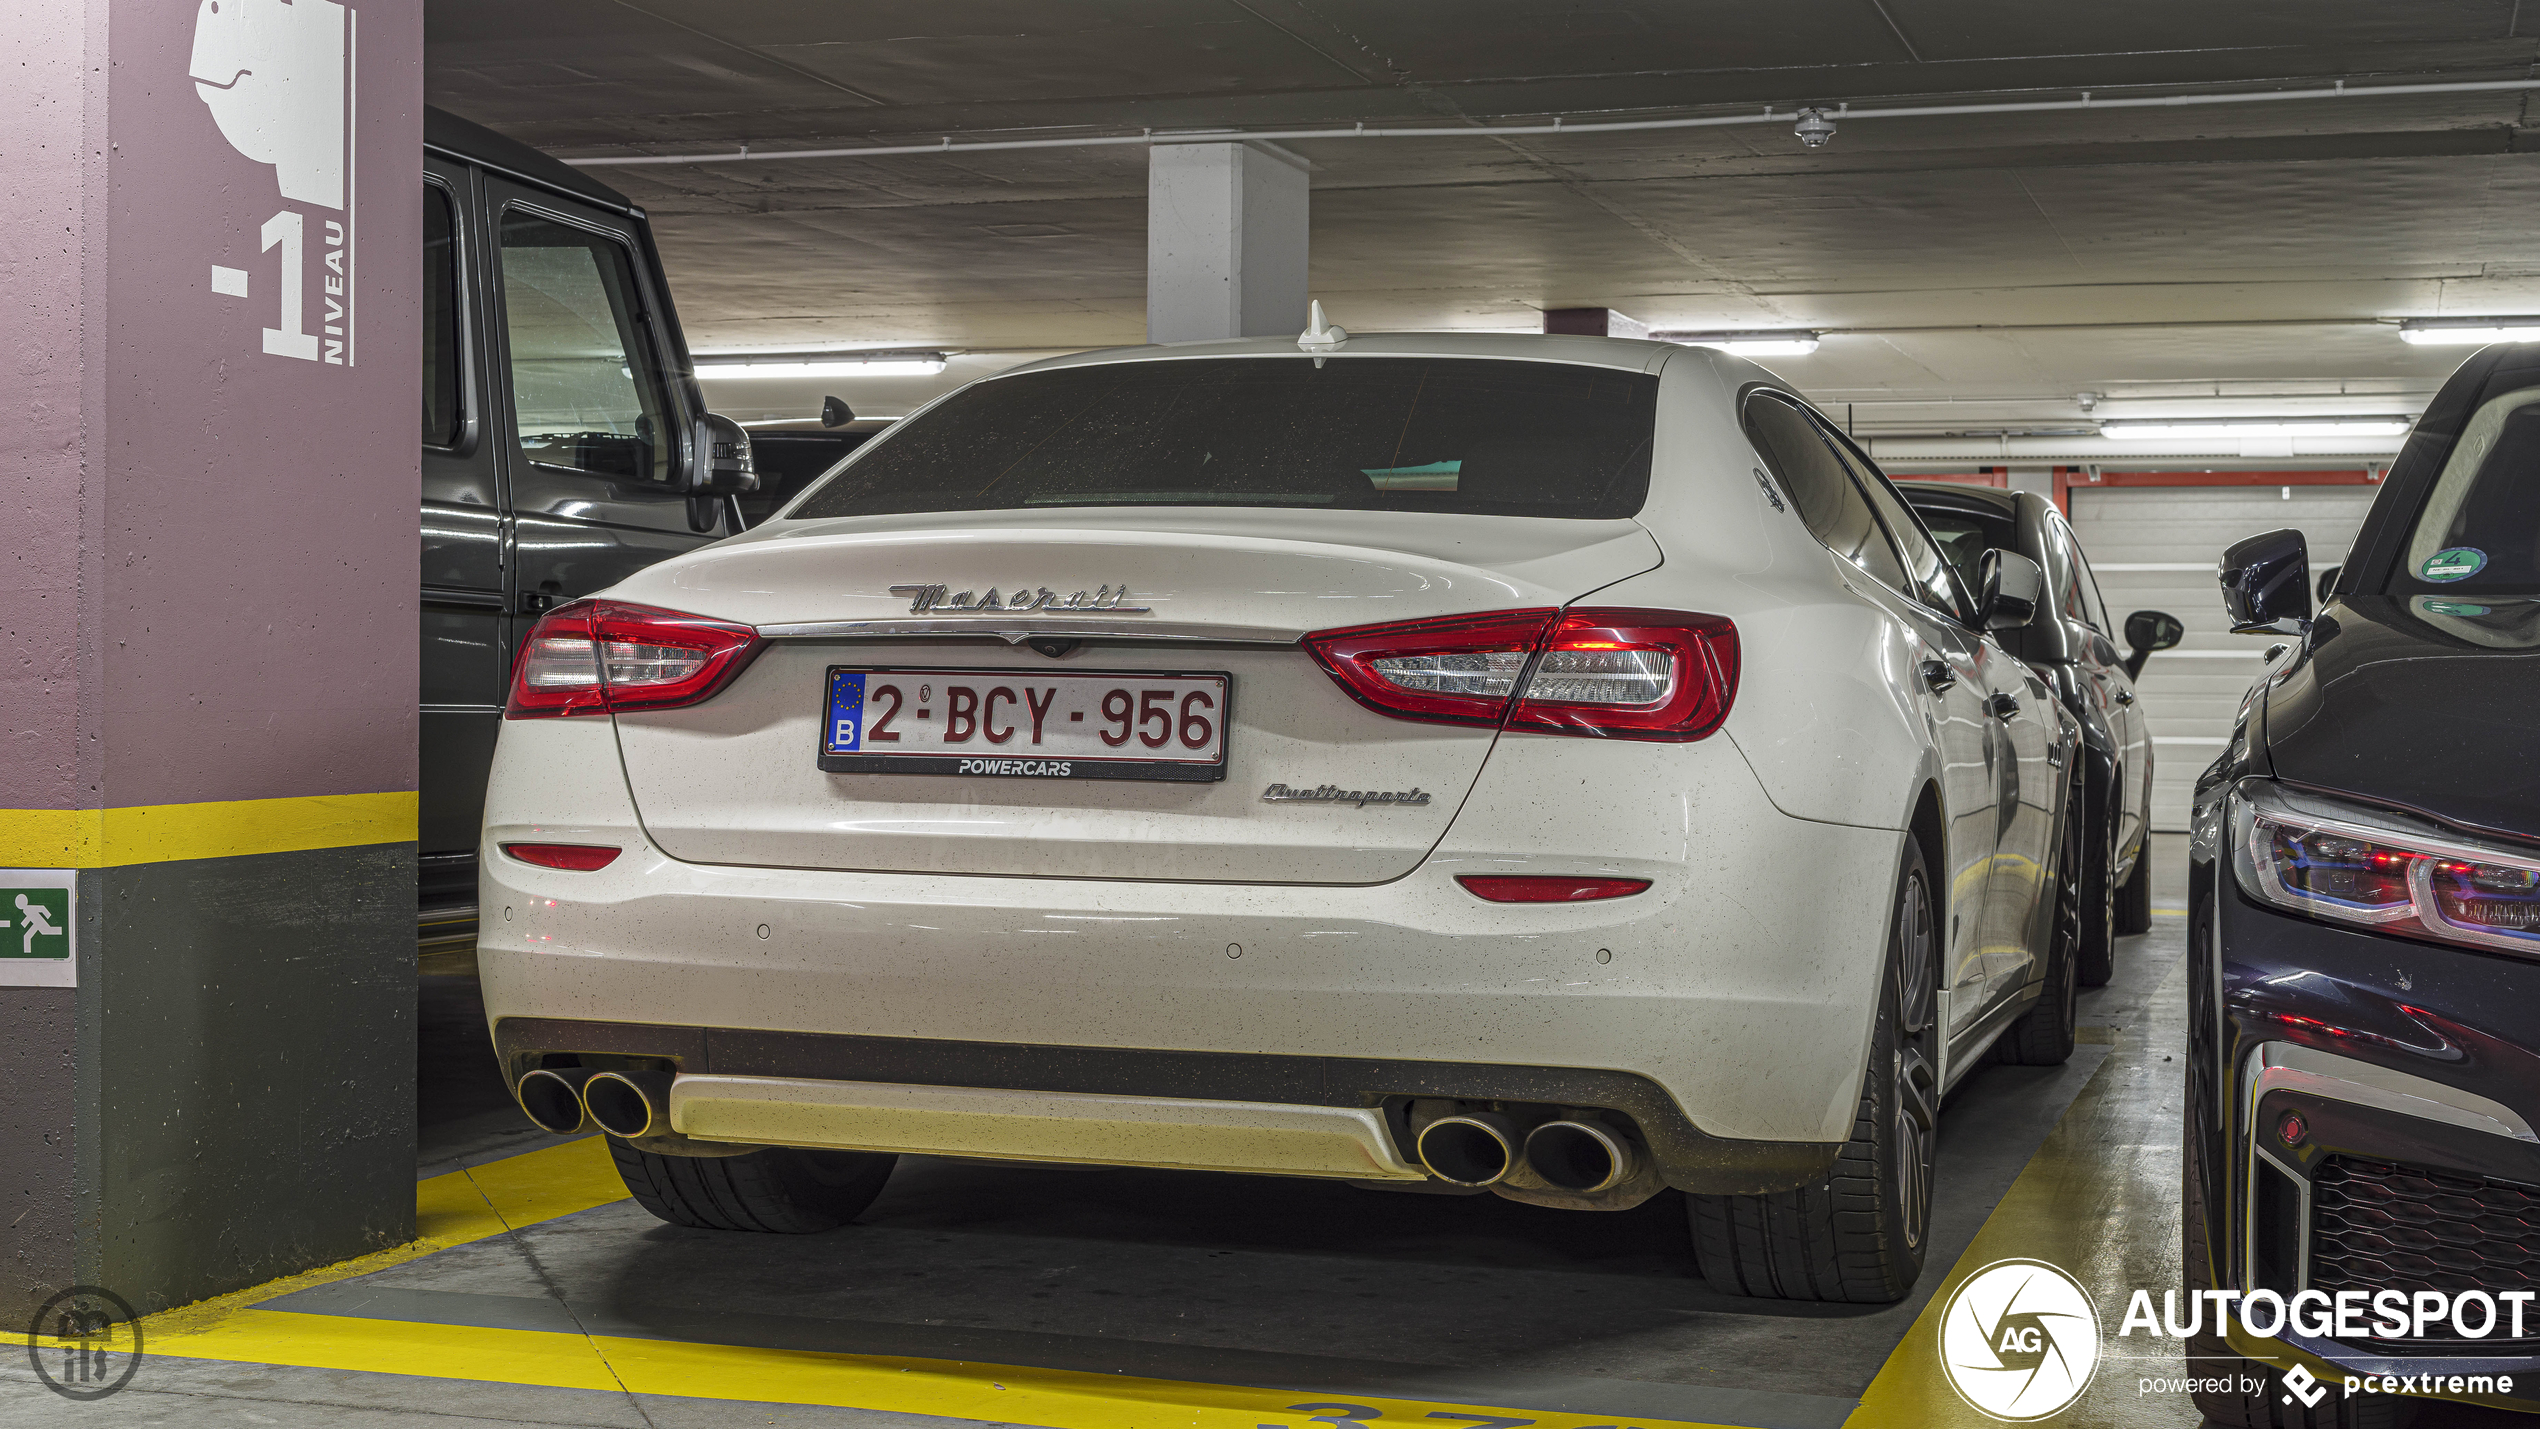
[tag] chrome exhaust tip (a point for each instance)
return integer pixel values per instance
(1579, 1156)
(552, 1098)
(1474, 1149)
(629, 1104)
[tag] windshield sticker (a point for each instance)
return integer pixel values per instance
(2454, 563)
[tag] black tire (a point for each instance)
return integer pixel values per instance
(2043, 1037)
(780, 1190)
(1859, 1235)
(2099, 910)
(2134, 899)
(2210, 1357)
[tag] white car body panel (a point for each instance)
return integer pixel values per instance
(1107, 915)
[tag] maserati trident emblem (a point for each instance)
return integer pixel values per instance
(932, 600)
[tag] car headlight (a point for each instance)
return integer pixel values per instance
(2353, 863)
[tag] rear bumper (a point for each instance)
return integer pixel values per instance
(1212, 1111)
(1727, 1009)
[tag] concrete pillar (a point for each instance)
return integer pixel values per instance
(207, 642)
(1592, 322)
(1226, 234)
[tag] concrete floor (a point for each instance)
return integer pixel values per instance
(1319, 1293)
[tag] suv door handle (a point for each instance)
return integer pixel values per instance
(1938, 675)
(2003, 706)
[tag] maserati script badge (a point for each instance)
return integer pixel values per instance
(931, 600)
(1334, 794)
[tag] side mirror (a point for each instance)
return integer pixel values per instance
(2266, 584)
(724, 466)
(2010, 587)
(2147, 631)
(2328, 578)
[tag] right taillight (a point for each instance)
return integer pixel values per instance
(1634, 674)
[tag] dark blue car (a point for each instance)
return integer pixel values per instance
(2364, 949)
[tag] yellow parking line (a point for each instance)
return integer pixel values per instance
(558, 1181)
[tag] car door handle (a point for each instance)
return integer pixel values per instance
(2003, 706)
(1938, 675)
(2125, 697)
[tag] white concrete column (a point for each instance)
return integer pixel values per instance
(1225, 241)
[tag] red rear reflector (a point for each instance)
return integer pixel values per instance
(581, 858)
(595, 656)
(1633, 674)
(1537, 888)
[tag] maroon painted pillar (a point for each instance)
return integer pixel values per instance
(208, 505)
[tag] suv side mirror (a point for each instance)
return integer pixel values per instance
(2266, 584)
(2010, 586)
(2147, 631)
(724, 466)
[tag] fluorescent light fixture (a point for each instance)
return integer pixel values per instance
(1747, 344)
(827, 364)
(2190, 429)
(2470, 330)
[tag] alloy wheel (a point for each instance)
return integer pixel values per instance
(1916, 1067)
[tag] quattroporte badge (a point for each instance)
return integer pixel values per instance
(1334, 794)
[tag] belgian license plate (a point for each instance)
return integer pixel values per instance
(1010, 724)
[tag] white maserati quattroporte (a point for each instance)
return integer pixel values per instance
(1552, 766)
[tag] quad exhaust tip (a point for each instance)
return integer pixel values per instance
(552, 1097)
(1475, 1149)
(629, 1104)
(1579, 1156)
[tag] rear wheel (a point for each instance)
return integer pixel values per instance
(1859, 1235)
(780, 1190)
(2099, 910)
(2134, 899)
(2043, 1037)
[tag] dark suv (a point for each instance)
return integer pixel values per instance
(565, 446)
(2071, 645)
(2364, 947)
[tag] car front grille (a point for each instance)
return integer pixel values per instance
(2378, 1225)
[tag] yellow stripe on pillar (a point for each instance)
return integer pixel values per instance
(164, 833)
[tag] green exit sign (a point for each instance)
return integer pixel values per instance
(38, 932)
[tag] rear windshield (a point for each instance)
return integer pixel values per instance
(1358, 433)
(2480, 529)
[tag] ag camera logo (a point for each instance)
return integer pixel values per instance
(2019, 1340)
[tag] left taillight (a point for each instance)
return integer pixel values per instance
(1636, 674)
(598, 656)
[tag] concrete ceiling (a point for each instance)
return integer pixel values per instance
(1973, 272)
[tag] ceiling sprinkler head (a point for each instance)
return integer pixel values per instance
(1813, 128)
(2087, 400)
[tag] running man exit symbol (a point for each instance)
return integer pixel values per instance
(35, 922)
(38, 927)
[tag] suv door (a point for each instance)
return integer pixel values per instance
(593, 381)
(463, 647)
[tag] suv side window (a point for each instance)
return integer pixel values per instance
(440, 319)
(2094, 611)
(1935, 583)
(586, 391)
(1829, 502)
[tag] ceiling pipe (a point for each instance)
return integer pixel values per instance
(1562, 126)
